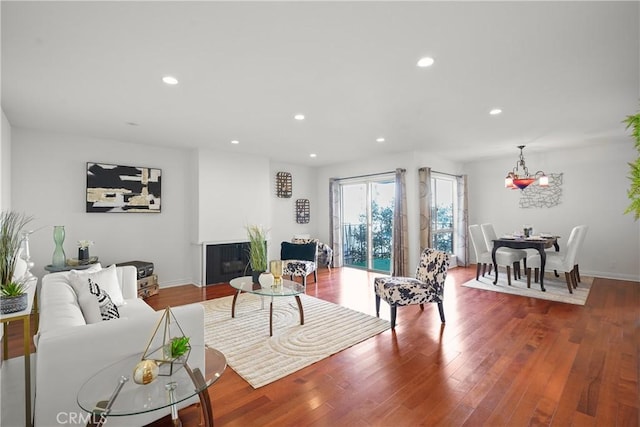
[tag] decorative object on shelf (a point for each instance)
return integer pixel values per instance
(521, 179)
(275, 267)
(257, 250)
(13, 292)
(302, 211)
(59, 259)
(115, 188)
(633, 193)
(283, 184)
(536, 196)
(174, 347)
(145, 372)
(26, 256)
(83, 249)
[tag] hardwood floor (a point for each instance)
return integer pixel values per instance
(499, 360)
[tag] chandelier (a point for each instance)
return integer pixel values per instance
(521, 179)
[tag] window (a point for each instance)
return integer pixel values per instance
(443, 210)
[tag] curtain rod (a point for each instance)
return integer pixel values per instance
(444, 173)
(366, 176)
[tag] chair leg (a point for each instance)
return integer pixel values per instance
(516, 270)
(484, 269)
(490, 268)
(528, 271)
(377, 305)
(567, 277)
(304, 282)
(441, 310)
(536, 276)
(393, 316)
(508, 275)
(577, 272)
(315, 276)
(478, 271)
(422, 307)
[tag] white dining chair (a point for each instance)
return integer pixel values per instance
(564, 261)
(509, 256)
(483, 257)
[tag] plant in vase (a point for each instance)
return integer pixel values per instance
(257, 250)
(13, 296)
(83, 249)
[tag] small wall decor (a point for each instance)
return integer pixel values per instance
(283, 184)
(302, 211)
(535, 196)
(114, 188)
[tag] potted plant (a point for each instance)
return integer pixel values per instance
(13, 295)
(257, 250)
(633, 122)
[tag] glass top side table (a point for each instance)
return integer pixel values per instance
(111, 392)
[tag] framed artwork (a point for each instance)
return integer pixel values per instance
(302, 211)
(115, 188)
(283, 184)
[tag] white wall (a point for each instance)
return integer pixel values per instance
(594, 193)
(283, 217)
(5, 165)
(49, 182)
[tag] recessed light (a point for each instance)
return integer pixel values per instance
(313, 155)
(380, 140)
(235, 141)
(170, 80)
(299, 117)
(425, 62)
(495, 111)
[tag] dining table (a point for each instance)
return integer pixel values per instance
(540, 243)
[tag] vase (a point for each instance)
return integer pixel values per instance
(83, 253)
(255, 276)
(59, 258)
(266, 280)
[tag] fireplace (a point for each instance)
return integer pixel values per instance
(226, 261)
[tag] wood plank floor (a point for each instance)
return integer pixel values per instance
(499, 360)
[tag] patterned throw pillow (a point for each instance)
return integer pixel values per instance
(108, 309)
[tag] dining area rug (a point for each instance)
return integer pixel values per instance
(260, 359)
(556, 287)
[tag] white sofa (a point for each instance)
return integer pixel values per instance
(69, 351)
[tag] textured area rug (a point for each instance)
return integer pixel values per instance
(260, 359)
(556, 287)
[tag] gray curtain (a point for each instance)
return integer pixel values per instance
(424, 178)
(462, 224)
(334, 221)
(400, 255)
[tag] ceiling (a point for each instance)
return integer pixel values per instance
(565, 74)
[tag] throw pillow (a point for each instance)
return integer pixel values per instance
(90, 308)
(108, 310)
(107, 279)
(298, 251)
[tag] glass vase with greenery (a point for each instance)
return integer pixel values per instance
(11, 225)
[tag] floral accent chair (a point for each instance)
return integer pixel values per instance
(428, 285)
(299, 259)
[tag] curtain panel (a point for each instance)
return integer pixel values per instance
(400, 255)
(424, 202)
(334, 221)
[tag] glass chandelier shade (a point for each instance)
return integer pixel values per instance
(519, 177)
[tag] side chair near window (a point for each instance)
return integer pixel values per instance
(427, 286)
(564, 261)
(504, 256)
(300, 260)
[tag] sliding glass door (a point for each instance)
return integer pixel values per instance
(367, 223)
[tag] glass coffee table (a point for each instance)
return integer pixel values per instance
(285, 288)
(111, 392)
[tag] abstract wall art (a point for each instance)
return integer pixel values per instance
(115, 188)
(535, 196)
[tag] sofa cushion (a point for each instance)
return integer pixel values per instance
(106, 279)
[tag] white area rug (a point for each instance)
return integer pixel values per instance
(244, 340)
(556, 287)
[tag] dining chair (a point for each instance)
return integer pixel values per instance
(483, 256)
(564, 261)
(504, 256)
(427, 286)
